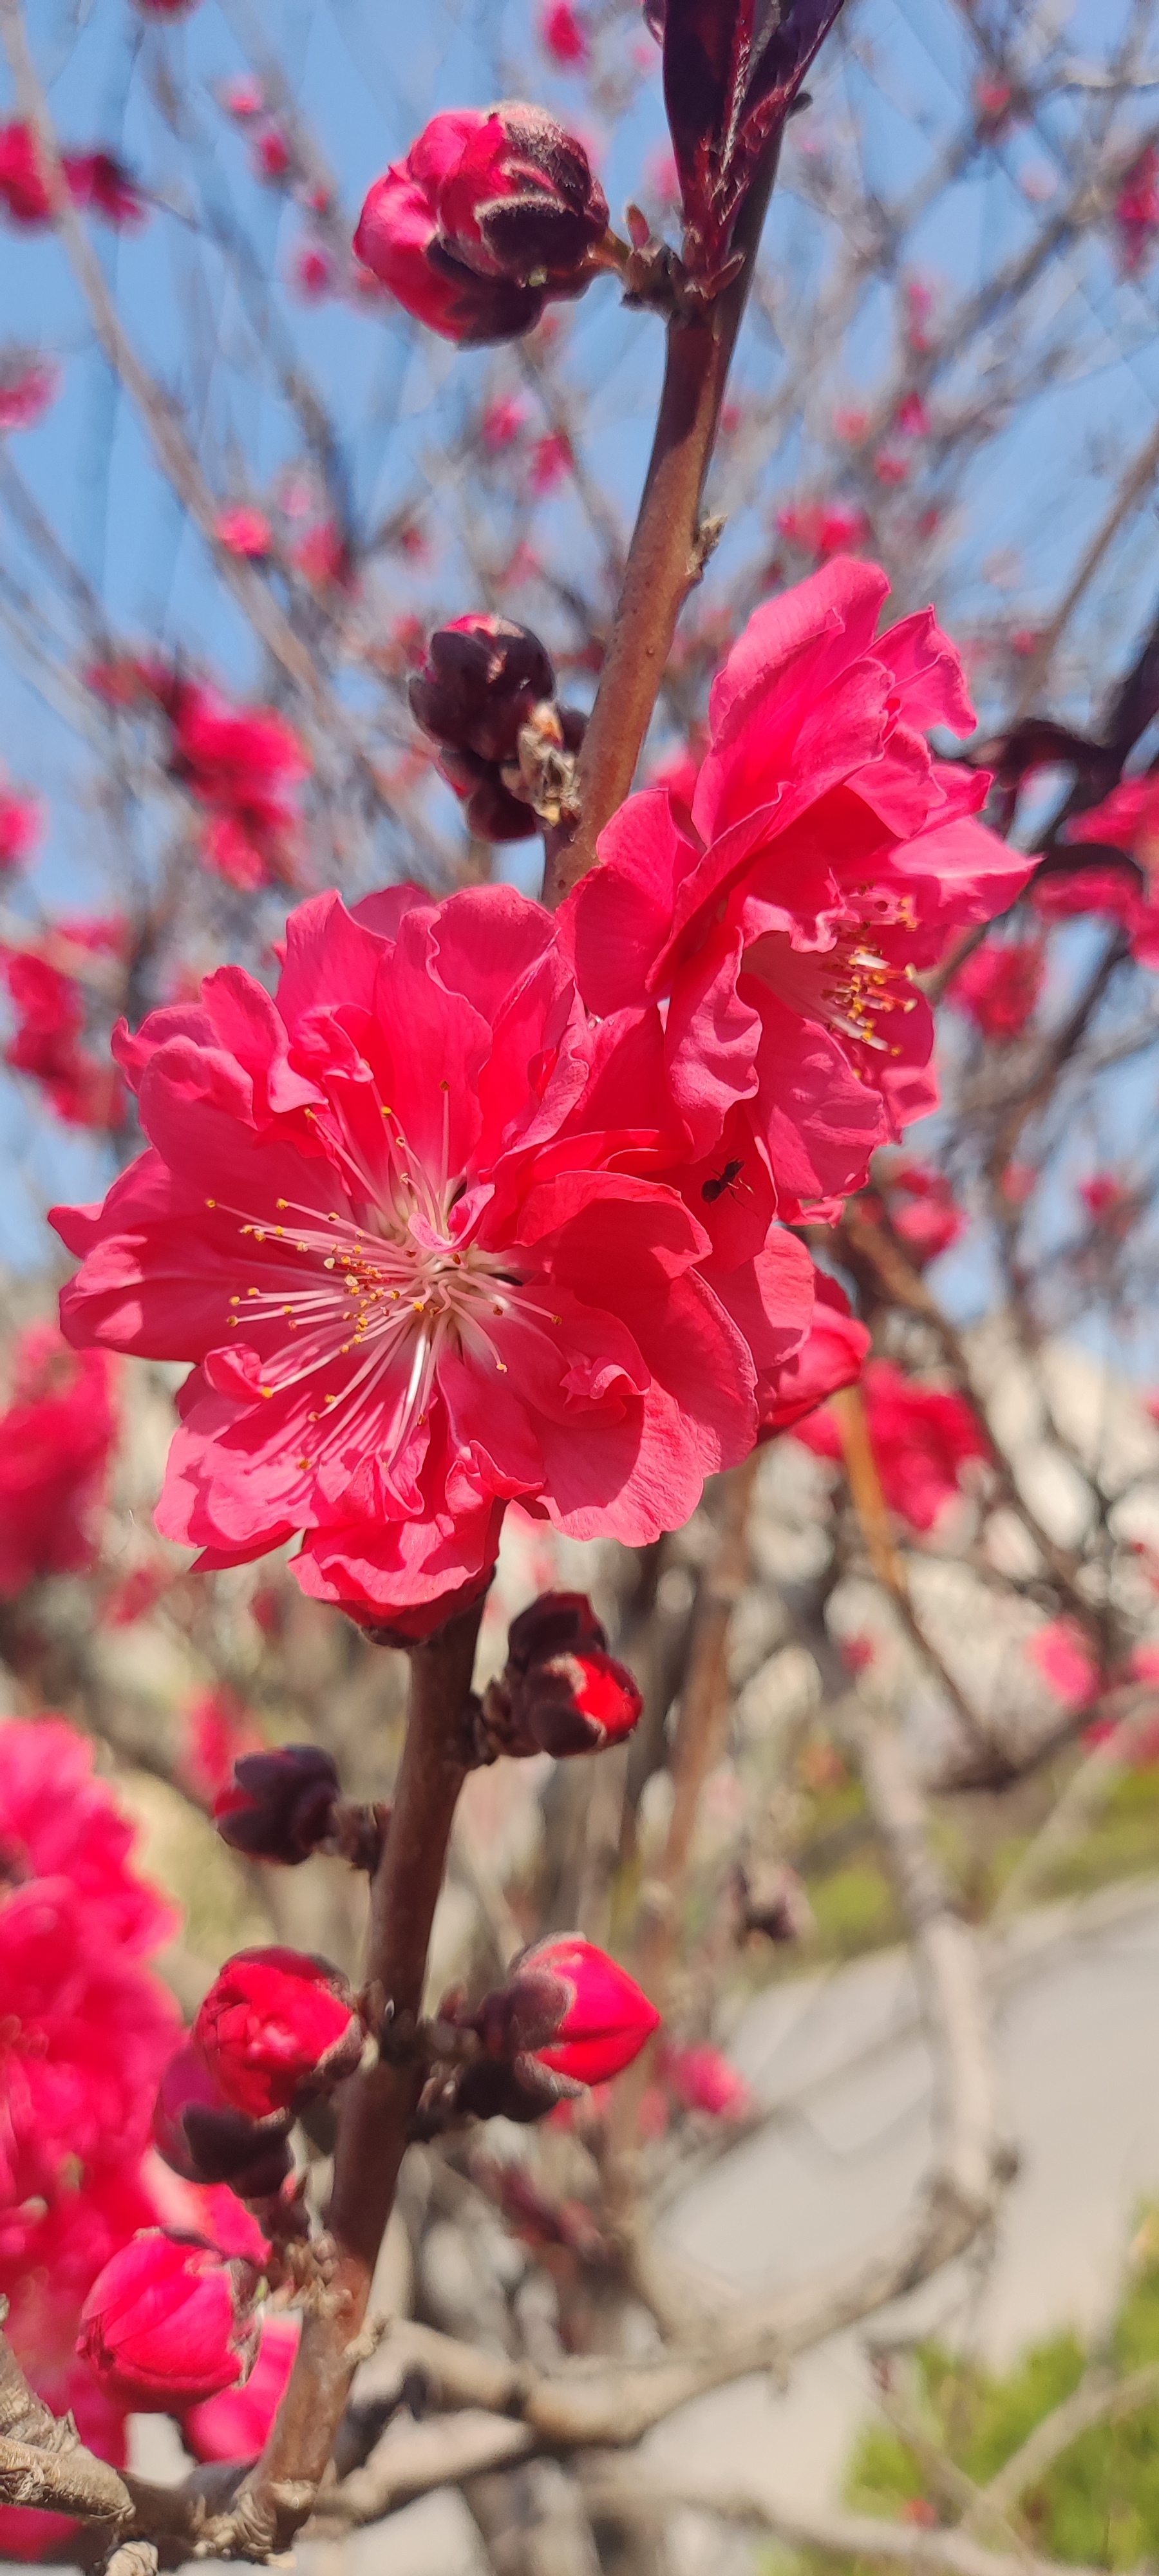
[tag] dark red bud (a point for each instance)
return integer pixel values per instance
(576, 1704)
(279, 1805)
(481, 677)
(492, 812)
(205, 2140)
(559, 1623)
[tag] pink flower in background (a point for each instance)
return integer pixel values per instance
(493, 211)
(56, 1443)
(1000, 985)
(244, 530)
(890, 467)
(243, 97)
(823, 529)
(1110, 1204)
(271, 158)
(911, 418)
(218, 1727)
(312, 271)
(45, 2278)
(850, 425)
(923, 1437)
(1136, 211)
(242, 765)
(502, 423)
(1064, 1659)
(827, 855)
(552, 461)
(29, 385)
(832, 1355)
(923, 1210)
(47, 1042)
(20, 826)
(563, 36)
(416, 1287)
(57, 1821)
(23, 194)
(234, 2424)
(703, 2080)
(98, 181)
(87, 2031)
(1127, 819)
(322, 556)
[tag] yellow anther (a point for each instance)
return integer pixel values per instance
(211, 1202)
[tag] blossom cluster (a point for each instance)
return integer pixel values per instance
(241, 766)
(485, 1207)
(87, 2028)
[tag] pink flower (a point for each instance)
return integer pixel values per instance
(923, 1211)
(98, 181)
(551, 461)
(493, 211)
(911, 418)
(322, 556)
(502, 423)
(312, 271)
(50, 1020)
(1064, 1658)
(998, 987)
(45, 2276)
(445, 1289)
(234, 2424)
(242, 530)
(564, 36)
(29, 384)
(891, 467)
(56, 1444)
(277, 2028)
(56, 1821)
(703, 2080)
(241, 765)
(169, 2322)
(218, 1727)
(272, 159)
(243, 97)
(851, 426)
(1127, 819)
(831, 1356)
(828, 854)
(1110, 1203)
(1136, 210)
(85, 2035)
(20, 826)
(23, 194)
(822, 529)
(922, 1437)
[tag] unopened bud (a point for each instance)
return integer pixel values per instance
(169, 2322)
(573, 2008)
(560, 1692)
(279, 1805)
(480, 680)
(559, 1623)
(205, 2140)
(277, 2028)
(492, 212)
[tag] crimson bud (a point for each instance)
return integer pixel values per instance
(559, 1623)
(280, 1805)
(561, 1692)
(276, 2028)
(205, 2140)
(600, 2019)
(492, 212)
(480, 678)
(169, 2321)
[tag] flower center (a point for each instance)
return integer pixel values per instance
(851, 986)
(366, 1295)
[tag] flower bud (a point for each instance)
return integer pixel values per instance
(203, 2138)
(703, 2080)
(276, 2028)
(598, 2018)
(278, 1806)
(481, 676)
(169, 2321)
(493, 211)
(559, 1623)
(571, 1704)
(492, 813)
